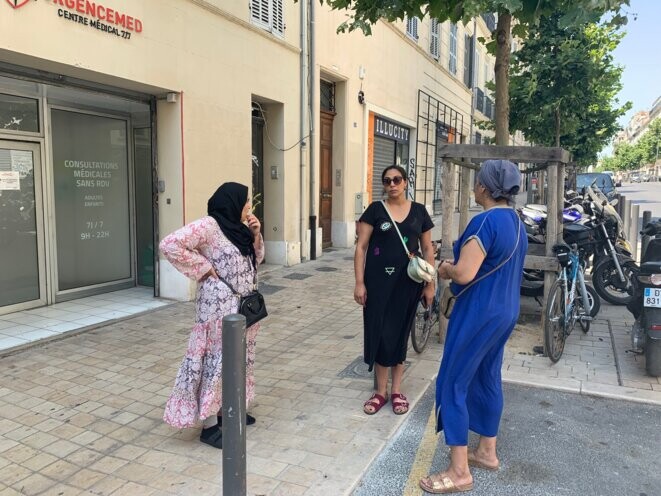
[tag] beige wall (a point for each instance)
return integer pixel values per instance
(218, 62)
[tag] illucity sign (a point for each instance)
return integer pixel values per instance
(96, 15)
(392, 130)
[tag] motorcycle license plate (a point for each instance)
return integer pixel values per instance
(652, 297)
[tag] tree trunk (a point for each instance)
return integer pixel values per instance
(503, 34)
(557, 127)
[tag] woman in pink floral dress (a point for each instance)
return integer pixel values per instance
(217, 245)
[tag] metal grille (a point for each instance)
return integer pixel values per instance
(437, 123)
(327, 95)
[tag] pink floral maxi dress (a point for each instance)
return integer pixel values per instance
(193, 250)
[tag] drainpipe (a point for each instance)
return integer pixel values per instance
(313, 124)
(473, 80)
(303, 118)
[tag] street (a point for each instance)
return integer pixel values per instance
(550, 443)
(647, 195)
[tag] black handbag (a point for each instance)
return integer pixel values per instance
(252, 305)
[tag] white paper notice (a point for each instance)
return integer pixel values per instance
(10, 180)
(21, 161)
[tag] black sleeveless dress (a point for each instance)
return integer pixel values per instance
(392, 296)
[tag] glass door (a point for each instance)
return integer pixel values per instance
(22, 271)
(91, 182)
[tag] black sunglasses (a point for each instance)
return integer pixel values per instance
(397, 180)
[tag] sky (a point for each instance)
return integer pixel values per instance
(640, 55)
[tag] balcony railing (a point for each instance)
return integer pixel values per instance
(490, 21)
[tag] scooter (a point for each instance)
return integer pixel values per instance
(646, 302)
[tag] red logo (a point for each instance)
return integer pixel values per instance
(15, 4)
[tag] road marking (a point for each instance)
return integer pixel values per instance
(423, 458)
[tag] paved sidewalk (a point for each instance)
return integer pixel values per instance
(83, 415)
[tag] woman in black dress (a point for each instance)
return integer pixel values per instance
(387, 294)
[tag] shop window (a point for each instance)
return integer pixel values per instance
(434, 44)
(452, 64)
(268, 14)
(18, 113)
(412, 27)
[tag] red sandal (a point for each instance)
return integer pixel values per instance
(376, 401)
(402, 404)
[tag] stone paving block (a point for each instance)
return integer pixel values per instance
(34, 484)
(62, 490)
(12, 473)
(60, 471)
(39, 461)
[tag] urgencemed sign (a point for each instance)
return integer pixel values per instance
(99, 16)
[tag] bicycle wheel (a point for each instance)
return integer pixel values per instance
(555, 328)
(422, 325)
(595, 305)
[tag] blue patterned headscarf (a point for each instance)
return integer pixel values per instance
(502, 178)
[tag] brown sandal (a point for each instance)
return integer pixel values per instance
(376, 401)
(399, 407)
(442, 485)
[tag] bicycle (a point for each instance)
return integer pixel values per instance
(426, 318)
(570, 300)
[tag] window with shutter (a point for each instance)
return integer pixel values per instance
(468, 60)
(268, 14)
(452, 63)
(434, 39)
(412, 27)
(278, 20)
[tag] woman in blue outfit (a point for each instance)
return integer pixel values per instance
(490, 255)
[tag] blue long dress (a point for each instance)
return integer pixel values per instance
(468, 387)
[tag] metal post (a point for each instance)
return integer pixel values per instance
(633, 229)
(620, 203)
(626, 215)
(234, 405)
(647, 218)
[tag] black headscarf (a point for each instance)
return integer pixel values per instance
(226, 206)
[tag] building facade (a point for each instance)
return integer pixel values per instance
(121, 118)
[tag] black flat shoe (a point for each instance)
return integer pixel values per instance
(250, 420)
(212, 436)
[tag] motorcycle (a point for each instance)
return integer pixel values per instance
(613, 267)
(646, 302)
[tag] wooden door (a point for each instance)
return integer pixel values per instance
(326, 177)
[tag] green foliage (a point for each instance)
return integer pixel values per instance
(365, 13)
(563, 87)
(633, 156)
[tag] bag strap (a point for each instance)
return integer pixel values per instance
(406, 248)
(518, 238)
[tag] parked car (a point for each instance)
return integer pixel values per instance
(600, 180)
(617, 182)
(634, 178)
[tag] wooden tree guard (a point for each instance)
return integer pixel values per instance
(553, 160)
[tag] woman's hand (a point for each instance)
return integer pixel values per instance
(444, 269)
(360, 294)
(428, 294)
(253, 224)
(210, 274)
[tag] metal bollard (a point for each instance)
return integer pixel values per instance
(620, 203)
(633, 229)
(626, 215)
(234, 405)
(647, 218)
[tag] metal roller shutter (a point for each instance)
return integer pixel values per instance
(384, 155)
